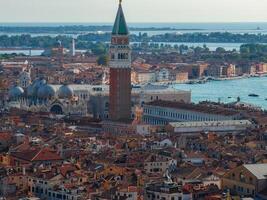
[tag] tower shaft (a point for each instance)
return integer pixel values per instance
(120, 70)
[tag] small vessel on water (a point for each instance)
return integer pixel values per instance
(197, 81)
(253, 95)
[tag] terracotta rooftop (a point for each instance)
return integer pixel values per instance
(31, 155)
(5, 137)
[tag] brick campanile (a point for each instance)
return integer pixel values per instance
(120, 70)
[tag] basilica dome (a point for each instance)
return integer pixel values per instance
(34, 87)
(65, 92)
(15, 92)
(46, 91)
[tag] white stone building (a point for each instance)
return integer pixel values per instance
(166, 191)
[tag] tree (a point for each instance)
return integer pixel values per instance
(99, 49)
(102, 60)
(198, 50)
(220, 50)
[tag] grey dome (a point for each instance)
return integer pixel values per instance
(32, 90)
(15, 92)
(46, 91)
(65, 92)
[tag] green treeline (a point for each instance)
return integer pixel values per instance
(86, 41)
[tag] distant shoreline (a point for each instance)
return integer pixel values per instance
(179, 26)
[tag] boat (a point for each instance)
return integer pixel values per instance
(253, 95)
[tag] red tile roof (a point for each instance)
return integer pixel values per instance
(64, 169)
(5, 137)
(32, 155)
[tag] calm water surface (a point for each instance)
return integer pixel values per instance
(221, 90)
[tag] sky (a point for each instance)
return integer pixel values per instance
(90, 11)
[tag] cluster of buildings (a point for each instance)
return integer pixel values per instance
(185, 72)
(74, 157)
(67, 134)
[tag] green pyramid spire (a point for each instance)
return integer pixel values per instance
(120, 26)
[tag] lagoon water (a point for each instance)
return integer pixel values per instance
(222, 90)
(211, 46)
(25, 52)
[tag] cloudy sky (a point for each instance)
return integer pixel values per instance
(135, 10)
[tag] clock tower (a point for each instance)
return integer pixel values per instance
(120, 70)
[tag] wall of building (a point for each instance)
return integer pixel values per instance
(161, 115)
(243, 184)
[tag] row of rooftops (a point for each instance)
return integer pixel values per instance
(211, 123)
(209, 109)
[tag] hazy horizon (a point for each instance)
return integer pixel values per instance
(137, 11)
(133, 23)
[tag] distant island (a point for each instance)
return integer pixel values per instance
(76, 29)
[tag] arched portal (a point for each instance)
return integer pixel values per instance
(56, 109)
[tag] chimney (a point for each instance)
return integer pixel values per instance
(24, 171)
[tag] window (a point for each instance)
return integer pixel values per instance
(250, 179)
(242, 177)
(233, 175)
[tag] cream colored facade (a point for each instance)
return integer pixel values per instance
(143, 77)
(181, 77)
(160, 165)
(246, 180)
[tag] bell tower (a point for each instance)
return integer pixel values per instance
(120, 70)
